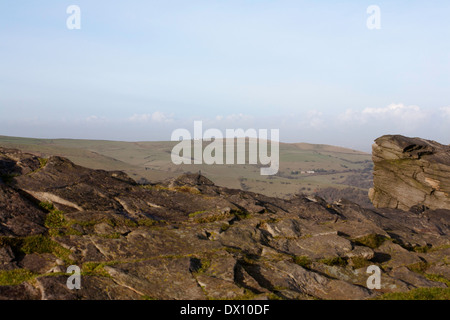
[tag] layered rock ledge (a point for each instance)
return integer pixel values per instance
(410, 174)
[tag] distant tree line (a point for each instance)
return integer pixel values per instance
(362, 180)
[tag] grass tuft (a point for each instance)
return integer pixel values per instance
(372, 241)
(196, 213)
(302, 261)
(43, 162)
(419, 267)
(337, 261)
(241, 214)
(15, 277)
(438, 278)
(418, 294)
(359, 262)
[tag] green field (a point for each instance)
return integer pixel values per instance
(150, 161)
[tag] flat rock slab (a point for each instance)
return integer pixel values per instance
(166, 278)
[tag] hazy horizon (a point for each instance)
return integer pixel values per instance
(137, 71)
(143, 141)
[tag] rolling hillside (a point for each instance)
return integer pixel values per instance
(334, 167)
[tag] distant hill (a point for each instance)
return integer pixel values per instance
(334, 167)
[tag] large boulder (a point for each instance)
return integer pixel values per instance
(410, 174)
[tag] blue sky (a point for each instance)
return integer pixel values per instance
(137, 70)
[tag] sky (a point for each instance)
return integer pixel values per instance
(137, 70)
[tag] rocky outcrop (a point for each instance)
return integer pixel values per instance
(191, 239)
(410, 174)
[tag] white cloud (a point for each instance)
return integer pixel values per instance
(238, 117)
(95, 119)
(156, 116)
(445, 111)
(315, 119)
(396, 111)
(350, 116)
(402, 115)
(159, 117)
(229, 121)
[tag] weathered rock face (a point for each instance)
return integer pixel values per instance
(410, 174)
(191, 239)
